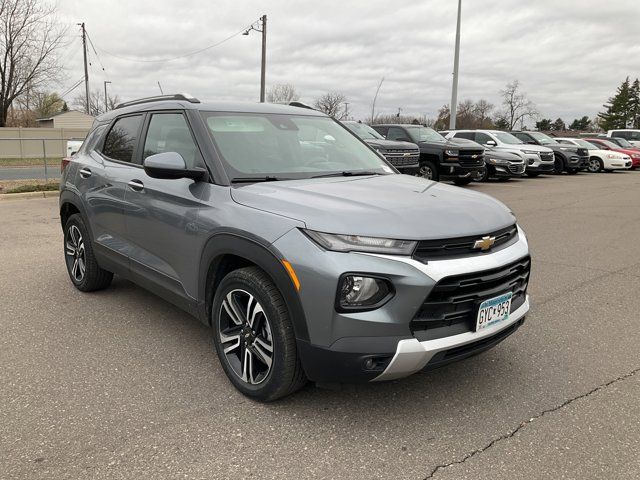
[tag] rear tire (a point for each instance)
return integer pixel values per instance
(84, 271)
(253, 336)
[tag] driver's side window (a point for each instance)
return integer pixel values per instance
(396, 133)
(482, 138)
(169, 132)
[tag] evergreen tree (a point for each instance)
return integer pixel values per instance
(618, 113)
(544, 125)
(635, 104)
(583, 123)
(558, 125)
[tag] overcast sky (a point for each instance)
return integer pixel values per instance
(569, 55)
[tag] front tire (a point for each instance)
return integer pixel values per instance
(429, 171)
(254, 337)
(595, 165)
(462, 181)
(558, 166)
(84, 271)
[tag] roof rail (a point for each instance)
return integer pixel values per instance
(160, 98)
(301, 105)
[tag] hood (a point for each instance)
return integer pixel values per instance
(393, 206)
(524, 146)
(390, 144)
(503, 155)
(455, 144)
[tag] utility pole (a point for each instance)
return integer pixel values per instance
(264, 57)
(106, 103)
(453, 109)
(86, 67)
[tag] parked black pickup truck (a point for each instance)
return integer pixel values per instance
(440, 159)
(568, 158)
(404, 156)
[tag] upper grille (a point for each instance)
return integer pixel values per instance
(397, 156)
(452, 304)
(471, 157)
(461, 246)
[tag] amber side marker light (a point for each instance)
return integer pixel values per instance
(292, 274)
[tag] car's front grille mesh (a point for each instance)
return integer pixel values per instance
(399, 157)
(461, 246)
(471, 157)
(546, 156)
(516, 167)
(454, 300)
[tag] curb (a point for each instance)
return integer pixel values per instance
(27, 195)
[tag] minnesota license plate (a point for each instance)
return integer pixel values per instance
(494, 310)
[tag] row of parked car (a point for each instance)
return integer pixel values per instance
(467, 155)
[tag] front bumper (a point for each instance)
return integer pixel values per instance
(506, 170)
(456, 170)
(412, 355)
(361, 346)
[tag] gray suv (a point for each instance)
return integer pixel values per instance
(309, 256)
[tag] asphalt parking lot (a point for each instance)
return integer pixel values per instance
(120, 384)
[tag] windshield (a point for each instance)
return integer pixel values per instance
(425, 134)
(254, 145)
(585, 144)
(621, 141)
(542, 138)
(507, 138)
(365, 132)
(609, 144)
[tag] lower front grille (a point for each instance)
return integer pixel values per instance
(452, 305)
(546, 156)
(516, 168)
(471, 158)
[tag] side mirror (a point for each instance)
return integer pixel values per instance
(171, 165)
(491, 143)
(531, 142)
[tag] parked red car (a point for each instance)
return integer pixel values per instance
(608, 145)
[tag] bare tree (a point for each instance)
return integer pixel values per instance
(483, 113)
(96, 102)
(333, 104)
(373, 104)
(30, 38)
(282, 93)
(517, 107)
(405, 119)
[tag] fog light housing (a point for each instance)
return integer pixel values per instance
(361, 292)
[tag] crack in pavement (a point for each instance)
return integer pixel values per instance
(510, 434)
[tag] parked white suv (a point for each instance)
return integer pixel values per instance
(629, 134)
(537, 158)
(599, 159)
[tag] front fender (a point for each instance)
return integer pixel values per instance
(264, 255)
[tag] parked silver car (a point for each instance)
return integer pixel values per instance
(308, 255)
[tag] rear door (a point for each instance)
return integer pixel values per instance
(102, 180)
(161, 214)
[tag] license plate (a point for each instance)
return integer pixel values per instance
(494, 310)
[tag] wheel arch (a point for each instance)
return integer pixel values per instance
(229, 250)
(70, 203)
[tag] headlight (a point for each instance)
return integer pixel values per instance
(451, 153)
(530, 152)
(360, 292)
(566, 149)
(358, 243)
(497, 161)
(635, 155)
(613, 155)
(380, 150)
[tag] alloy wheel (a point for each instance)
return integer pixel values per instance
(75, 253)
(245, 336)
(594, 165)
(426, 172)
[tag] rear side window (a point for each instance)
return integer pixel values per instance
(467, 135)
(169, 132)
(93, 138)
(121, 139)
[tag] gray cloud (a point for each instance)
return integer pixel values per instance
(569, 55)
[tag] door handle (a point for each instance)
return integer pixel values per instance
(136, 185)
(85, 172)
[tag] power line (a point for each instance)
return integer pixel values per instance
(75, 85)
(94, 51)
(190, 54)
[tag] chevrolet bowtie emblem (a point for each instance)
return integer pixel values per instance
(485, 243)
(407, 154)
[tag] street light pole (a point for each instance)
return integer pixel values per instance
(264, 57)
(453, 109)
(106, 103)
(86, 68)
(262, 28)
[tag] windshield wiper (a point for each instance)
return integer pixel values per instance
(267, 178)
(347, 174)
